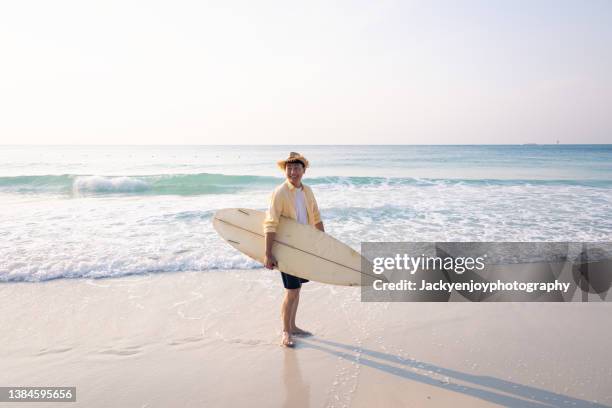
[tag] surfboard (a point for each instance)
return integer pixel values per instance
(300, 250)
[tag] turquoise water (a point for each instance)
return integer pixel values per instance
(75, 211)
(539, 162)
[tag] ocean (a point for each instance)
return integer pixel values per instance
(104, 211)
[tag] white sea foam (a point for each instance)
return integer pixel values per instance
(118, 235)
(99, 184)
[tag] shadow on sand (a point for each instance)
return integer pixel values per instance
(490, 389)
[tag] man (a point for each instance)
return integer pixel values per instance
(294, 200)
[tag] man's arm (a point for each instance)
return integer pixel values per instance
(270, 223)
(317, 214)
(270, 260)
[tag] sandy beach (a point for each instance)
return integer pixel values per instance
(195, 339)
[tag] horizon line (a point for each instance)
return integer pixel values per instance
(327, 144)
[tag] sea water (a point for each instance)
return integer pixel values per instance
(103, 211)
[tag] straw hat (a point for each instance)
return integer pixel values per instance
(293, 156)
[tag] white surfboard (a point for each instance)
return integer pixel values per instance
(300, 250)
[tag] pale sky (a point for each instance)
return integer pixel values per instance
(307, 72)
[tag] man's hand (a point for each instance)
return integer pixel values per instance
(270, 261)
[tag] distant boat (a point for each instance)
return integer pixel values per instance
(530, 144)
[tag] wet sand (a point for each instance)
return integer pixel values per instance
(196, 339)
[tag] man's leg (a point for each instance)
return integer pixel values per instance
(294, 328)
(294, 312)
(287, 309)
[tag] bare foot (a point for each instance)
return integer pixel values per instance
(299, 332)
(287, 341)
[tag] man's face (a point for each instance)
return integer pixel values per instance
(294, 173)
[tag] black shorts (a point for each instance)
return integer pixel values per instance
(292, 282)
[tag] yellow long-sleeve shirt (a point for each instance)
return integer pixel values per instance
(282, 202)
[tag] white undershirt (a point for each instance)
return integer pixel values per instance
(300, 206)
